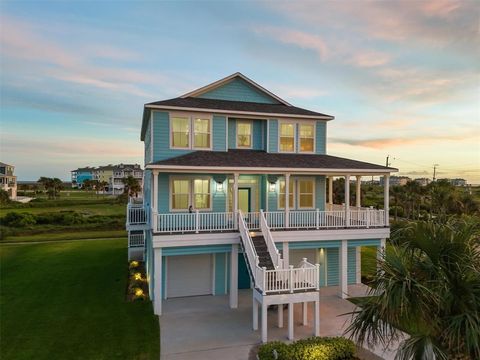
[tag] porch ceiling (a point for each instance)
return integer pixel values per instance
(256, 161)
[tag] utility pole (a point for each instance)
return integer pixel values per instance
(435, 171)
(386, 162)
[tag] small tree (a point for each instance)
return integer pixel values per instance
(132, 186)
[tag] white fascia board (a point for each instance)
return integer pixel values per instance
(233, 112)
(329, 235)
(225, 80)
(206, 238)
(269, 170)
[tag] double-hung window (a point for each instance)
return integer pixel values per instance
(244, 134)
(190, 132)
(306, 193)
(281, 194)
(306, 137)
(287, 137)
(186, 192)
(180, 127)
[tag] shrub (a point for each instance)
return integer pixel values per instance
(314, 348)
(14, 219)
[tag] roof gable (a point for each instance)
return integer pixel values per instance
(236, 87)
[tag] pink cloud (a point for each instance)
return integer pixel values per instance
(370, 59)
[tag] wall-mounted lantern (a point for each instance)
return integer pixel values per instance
(272, 181)
(219, 180)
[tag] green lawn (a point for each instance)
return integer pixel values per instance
(67, 301)
(369, 261)
(67, 235)
(87, 209)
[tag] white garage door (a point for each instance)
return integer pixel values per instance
(189, 275)
(296, 256)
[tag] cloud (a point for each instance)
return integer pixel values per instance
(369, 59)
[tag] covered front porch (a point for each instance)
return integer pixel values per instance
(210, 202)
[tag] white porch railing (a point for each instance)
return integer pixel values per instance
(267, 235)
(136, 214)
(136, 239)
(275, 220)
(194, 222)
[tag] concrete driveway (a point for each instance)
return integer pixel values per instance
(204, 327)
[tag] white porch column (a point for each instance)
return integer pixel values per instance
(280, 315)
(234, 277)
(255, 313)
(343, 260)
(290, 321)
(264, 322)
(317, 318)
(235, 199)
(386, 197)
(157, 278)
(287, 202)
(286, 255)
(347, 200)
(330, 190)
(358, 264)
(358, 194)
(305, 313)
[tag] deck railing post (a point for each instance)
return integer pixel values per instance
(197, 221)
(317, 218)
(292, 285)
(264, 290)
(317, 276)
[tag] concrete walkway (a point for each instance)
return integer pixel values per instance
(204, 327)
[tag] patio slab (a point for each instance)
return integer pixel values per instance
(204, 327)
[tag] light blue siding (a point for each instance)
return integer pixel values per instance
(273, 135)
(321, 137)
(333, 269)
(219, 129)
(257, 136)
(320, 192)
(161, 138)
(149, 263)
(196, 250)
(232, 133)
(147, 187)
(220, 273)
(163, 193)
(148, 140)
(239, 90)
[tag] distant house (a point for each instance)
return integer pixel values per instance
(458, 182)
(80, 175)
(238, 194)
(422, 181)
(8, 181)
(397, 180)
(122, 171)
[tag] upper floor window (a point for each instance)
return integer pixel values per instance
(287, 137)
(180, 132)
(244, 134)
(182, 136)
(306, 137)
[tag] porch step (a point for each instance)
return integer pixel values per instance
(264, 259)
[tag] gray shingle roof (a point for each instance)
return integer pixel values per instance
(262, 159)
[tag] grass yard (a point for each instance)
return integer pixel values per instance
(87, 209)
(67, 301)
(369, 261)
(67, 235)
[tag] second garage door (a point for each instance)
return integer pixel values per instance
(189, 275)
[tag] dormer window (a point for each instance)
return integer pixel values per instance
(244, 134)
(182, 136)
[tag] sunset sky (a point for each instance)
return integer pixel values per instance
(401, 78)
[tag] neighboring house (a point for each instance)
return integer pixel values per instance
(104, 173)
(458, 182)
(397, 180)
(122, 171)
(80, 175)
(423, 181)
(235, 196)
(8, 181)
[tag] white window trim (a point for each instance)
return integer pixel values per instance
(250, 122)
(314, 124)
(283, 194)
(190, 178)
(191, 133)
(314, 180)
(280, 123)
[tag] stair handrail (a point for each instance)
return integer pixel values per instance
(248, 247)
(267, 235)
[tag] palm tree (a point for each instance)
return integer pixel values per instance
(428, 285)
(397, 192)
(51, 185)
(132, 186)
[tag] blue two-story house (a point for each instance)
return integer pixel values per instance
(238, 194)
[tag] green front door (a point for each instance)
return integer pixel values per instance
(244, 200)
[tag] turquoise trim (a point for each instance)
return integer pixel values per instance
(220, 273)
(193, 250)
(314, 244)
(365, 242)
